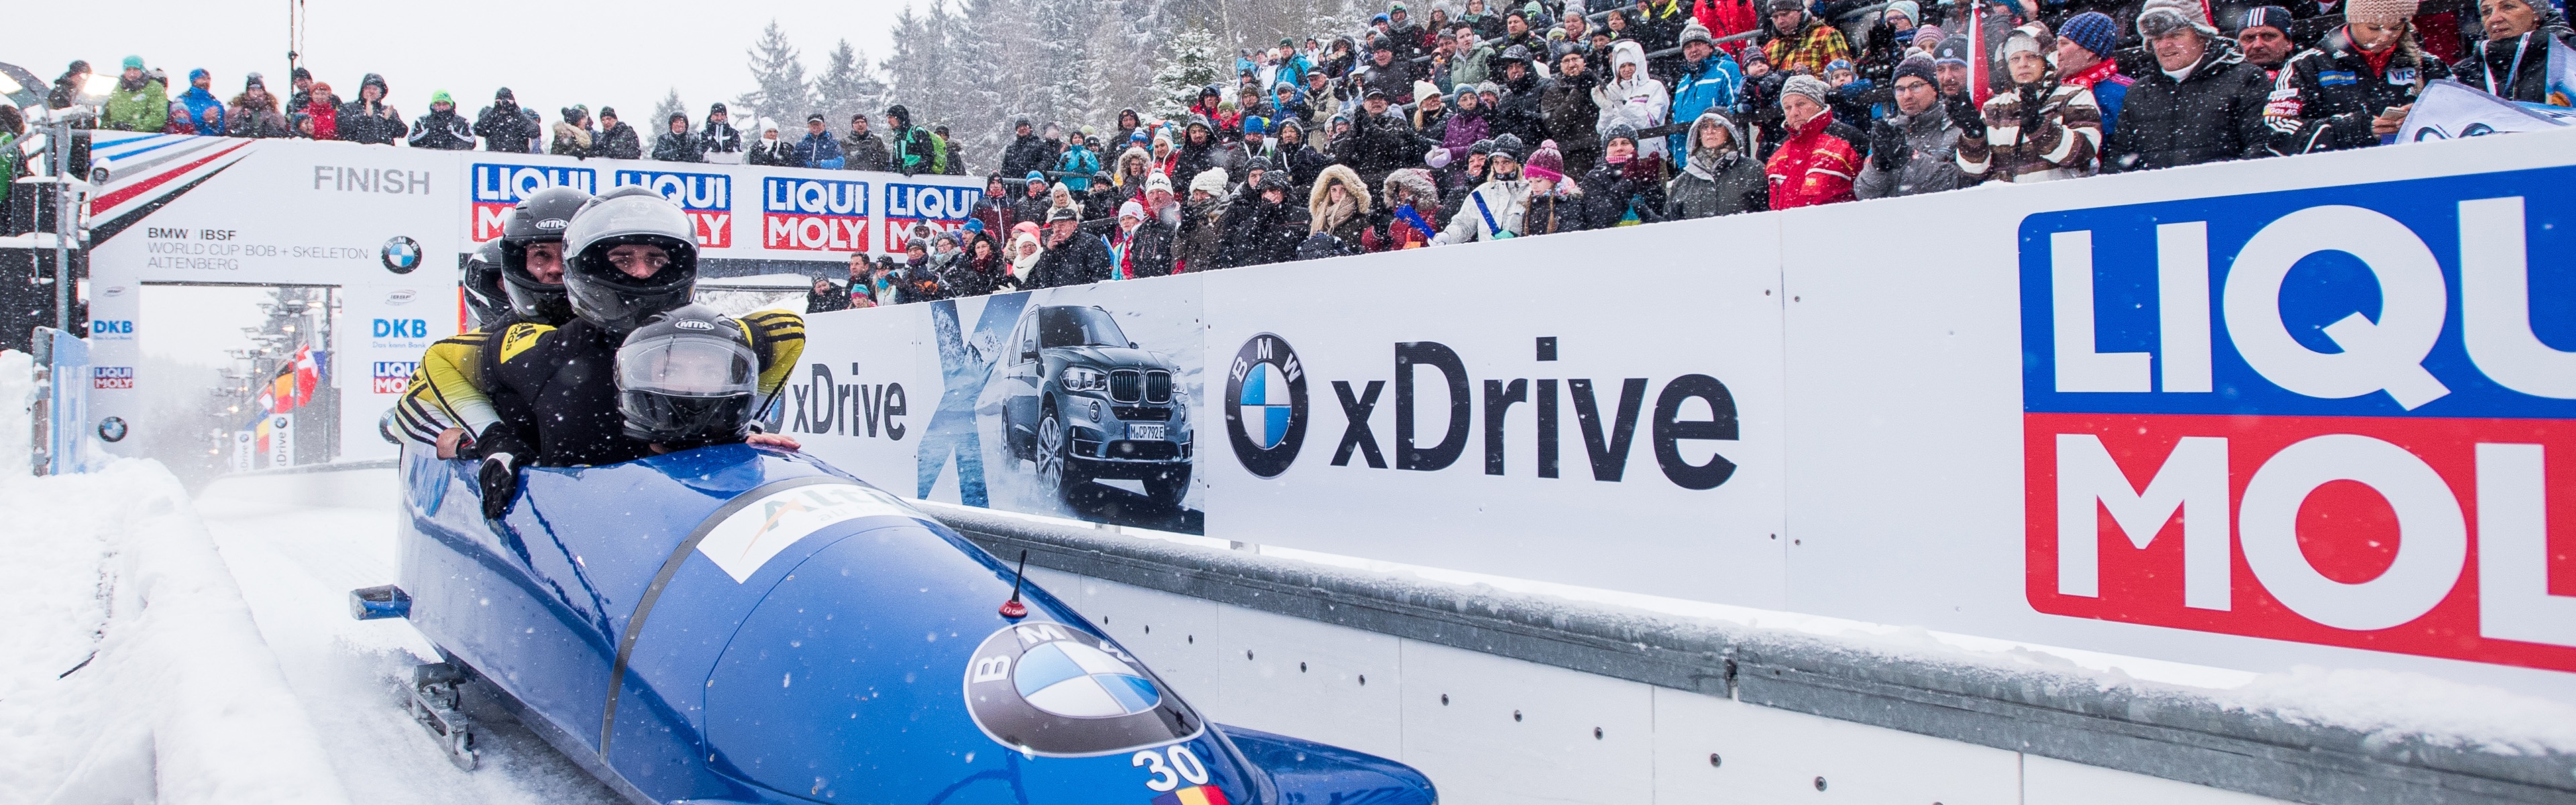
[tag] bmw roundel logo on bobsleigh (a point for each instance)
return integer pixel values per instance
(1265, 405)
(1047, 689)
(401, 254)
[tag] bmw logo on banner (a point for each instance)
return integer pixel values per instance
(1265, 405)
(1046, 689)
(401, 254)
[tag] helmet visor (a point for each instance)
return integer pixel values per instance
(682, 366)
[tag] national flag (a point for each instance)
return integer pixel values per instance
(1979, 82)
(1194, 795)
(308, 374)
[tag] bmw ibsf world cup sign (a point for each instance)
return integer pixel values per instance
(1265, 405)
(2343, 416)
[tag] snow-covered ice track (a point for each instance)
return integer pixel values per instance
(227, 668)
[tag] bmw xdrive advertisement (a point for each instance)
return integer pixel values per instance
(1075, 402)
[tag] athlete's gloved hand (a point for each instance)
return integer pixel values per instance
(499, 477)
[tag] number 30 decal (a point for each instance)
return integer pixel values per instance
(1184, 765)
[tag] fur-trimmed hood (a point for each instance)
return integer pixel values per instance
(1332, 175)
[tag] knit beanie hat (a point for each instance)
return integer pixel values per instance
(2159, 17)
(1545, 163)
(1211, 181)
(1907, 9)
(134, 62)
(2274, 17)
(1812, 87)
(1157, 181)
(2093, 31)
(1131, 209)
(1927, 36)
(2384, 12)
(1917, 66)
(1692, 31)
(441, 96)
(2022, 39)
(1953, 50)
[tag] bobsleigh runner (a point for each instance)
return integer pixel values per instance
(737, 624)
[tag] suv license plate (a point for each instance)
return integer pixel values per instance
(1144, 431)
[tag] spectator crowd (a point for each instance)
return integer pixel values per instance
(1475, 123)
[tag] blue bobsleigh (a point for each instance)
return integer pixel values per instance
(743, 625)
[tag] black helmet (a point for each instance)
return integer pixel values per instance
(687, 377)
(633, 215)
(484, 299)
(539, 218)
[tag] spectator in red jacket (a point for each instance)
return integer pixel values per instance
(1813, 166)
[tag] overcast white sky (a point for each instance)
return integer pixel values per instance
(552, 54)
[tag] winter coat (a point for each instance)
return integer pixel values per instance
(909, 151)
(822, 151)
(1623, 194)
(362, 122)
(1640, 102)
(1193, 159)
(1814, 45)
(2516, 69)
(1519, 111)
(1079, 161)
(1471, 67)
(324, 113)
(865, 152)
(1200, 243)
(1926, 161)
(1712, 184)
(2058, 139)
(1033, 209)
(1242, 157)
(570, 141)
(1028, 153)
(1151, 249)
(1573, 120)
(144, 106)
(1258, 232)
(1708, 85)
(680, 146)
(2326, 97)
(1304, 163)
(1347, 221)
(618, 142)
(1466, 126)
(1493, 211)
(1082, 258)
(1383, 143)
(446, 131)
(1812, 167)
(1565, 210)
(2110, 91)
(1392, 79)
(772, 152)
(505, 129)
(246, 118)
(2214, 114)
(1407, 225)
(720, 137)
(196, 102)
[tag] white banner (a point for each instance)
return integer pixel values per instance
(2450, 110)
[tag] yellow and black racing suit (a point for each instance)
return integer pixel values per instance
(567, 376)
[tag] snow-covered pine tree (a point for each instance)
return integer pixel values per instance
(1190, 59)
(783, 94)
(661, 120)
(848, 86)
(996, 40)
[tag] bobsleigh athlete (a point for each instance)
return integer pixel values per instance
(554, 390)
(445, 403)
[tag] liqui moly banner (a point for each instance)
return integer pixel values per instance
(2331, 416)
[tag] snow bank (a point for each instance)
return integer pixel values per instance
(17, 399)
(130, 669)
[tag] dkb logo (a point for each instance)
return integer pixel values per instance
(402, 328)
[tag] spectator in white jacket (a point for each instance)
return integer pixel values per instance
(1631, 97)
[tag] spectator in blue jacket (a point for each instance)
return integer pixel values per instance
(819, 149)
(1708, 81)
(1078, 163)
(199, 99)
